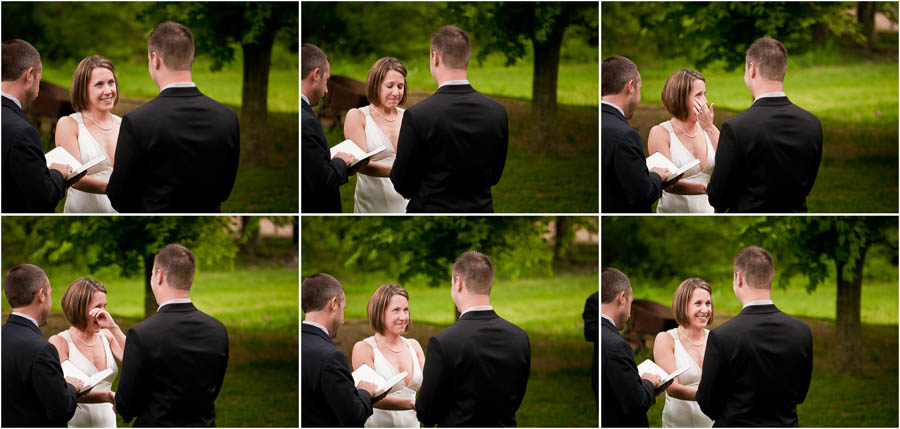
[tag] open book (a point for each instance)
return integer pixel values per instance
(59, 155)
(347, 146)
(651, 367)
(659, 160)
(365, 372)
(70, 370)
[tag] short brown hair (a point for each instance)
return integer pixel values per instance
(376, 76)
(757, 267)
(76, 299)
(81, 80)
(317, 290)
(477, 270)
(615, 73)
(179, 265)
(22, 283)
(453, 45)
(379, 302)
(311, 58)
(612, 281)
(17, 56)
(677, 91)
(770, 57)
(682, 299)
(174, 43)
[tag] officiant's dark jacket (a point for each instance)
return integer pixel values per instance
(28, 185)
(178, 153)
(628, 187)
(756, 369)
(451, 151)
(625, 397)
(330, 398)
(322, 176)
(767, 160)
(35, 394)
(476, 372)
(172, 369)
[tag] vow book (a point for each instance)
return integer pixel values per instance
(70, 370)
(659, 160)
(59, 155)
(651, 367)
(391, 385)
(348, 146)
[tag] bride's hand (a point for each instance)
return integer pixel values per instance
(705, 115)
(103, 318)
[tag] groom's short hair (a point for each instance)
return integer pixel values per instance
(174, 43)
(179, 265)
(453, 45)
(76, 299)
(477, 270)
(770, 57)
(311, 58)
(615, 73)
(22, 283)
(17, 56)
(317, 290)
(612, 282)
(757, 267)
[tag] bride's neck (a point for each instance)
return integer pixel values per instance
(384, 110)
(97, 114)
(687, 125)
(388, 338)
(693, 332)
(83, 334)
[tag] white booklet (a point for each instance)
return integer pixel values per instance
(348, 146)
(59, 155)
(365, 372)
(659, 160)
(70, 370)
(651, 367)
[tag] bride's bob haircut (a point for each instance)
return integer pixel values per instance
(682, 300)
(379, 302)
(376, 76)
(677, 91)
(76, 299)
(81, 81)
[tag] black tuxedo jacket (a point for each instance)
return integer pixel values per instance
(591, 326)
(767, 159)
(173, 368)
(35, 394)
(756, 369)
(451, 151)
(626, 397)
(476, 372)
(178, 153)
(628, 187)
(28, 185)
(330, 398)
(322, 176)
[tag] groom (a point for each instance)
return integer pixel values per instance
(179, 152)
(758, 365)
(452, 146)
(768, 155)
(476, 370)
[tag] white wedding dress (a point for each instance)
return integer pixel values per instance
(675, 203)
(678, 412)
(86, 202)
(400, 418)
(377, 194)
(93, 415)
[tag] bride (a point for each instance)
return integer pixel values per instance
(91, 132)
(379, 125)
(388, 353)
(93, 343)
(689, 135)
(685, 346)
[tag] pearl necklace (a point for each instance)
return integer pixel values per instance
(685, 132)
(382, 116)
(98, 124)
(686, 336)
(387, 346)
(82, 341)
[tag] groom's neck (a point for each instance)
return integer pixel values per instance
(172, 76)
(765, 87)
(447, 75)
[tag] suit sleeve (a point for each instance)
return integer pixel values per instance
(227, 181)
(351, 406)
(818, 160)
(727, 171)
(224, 365)
(641, 186)
(125, 183)
(431, 399)
(635, 394)
(710, 392)
(407, 172)
(500, 159)
(523, 378)
(56, 395)
(130, 396)
(41, 186)
(591, 318)
(805, 372)
(319, 169)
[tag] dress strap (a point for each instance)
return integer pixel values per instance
(78, 118)
(668, 126)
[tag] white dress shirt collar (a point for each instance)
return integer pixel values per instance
(770, 94)
(477, 308)
(617, 108)
(760, 302)
(25, 315)
(610, 319)
(18, 103)
(454, 82)
(179, 85)
(307, 322)
(175, 301)
(305, 99)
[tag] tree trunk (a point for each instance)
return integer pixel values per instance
(254, 97)
(865, 15)
(150, 304)
(849, 330)
(560, 253)
(544, 140)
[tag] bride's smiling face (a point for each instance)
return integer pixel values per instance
(102, 89)
(392, 88)
(699, 308)
(396, 315)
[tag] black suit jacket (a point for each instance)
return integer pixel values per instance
(626, 397)
(178, 153)
(757, 368)
(35, 394)
(451, 151)
(591, 325)
(330, 398)
(767, 159)
(28, 185)
(173, 368)
(322, 175)
(476, 372)
(628, 187)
